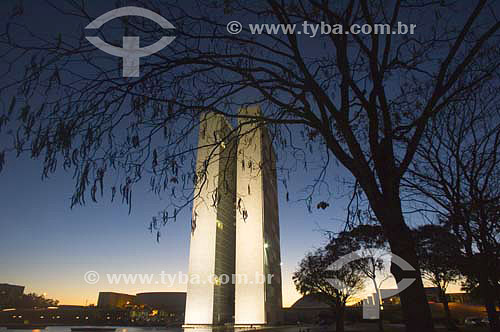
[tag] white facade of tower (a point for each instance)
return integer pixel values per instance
(211, 250)
(235, 213)
(257, 302)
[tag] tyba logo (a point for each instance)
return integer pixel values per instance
(371, 307)
(131, 51)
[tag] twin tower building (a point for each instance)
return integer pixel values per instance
(234, 259)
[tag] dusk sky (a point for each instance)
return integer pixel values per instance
(48, 247)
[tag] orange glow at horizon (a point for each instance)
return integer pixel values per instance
(88, 294)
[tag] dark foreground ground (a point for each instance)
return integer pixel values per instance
(366, 327)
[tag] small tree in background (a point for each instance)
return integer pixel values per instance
(439, 254)
(371, 246)
(316, 275)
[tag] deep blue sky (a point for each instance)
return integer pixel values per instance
(48, 247)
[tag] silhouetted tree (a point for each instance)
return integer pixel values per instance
(458, 175)
(471, 286)
(439, 254)
(371, 246)
(335, 285)
(33, 300)
(363, 100)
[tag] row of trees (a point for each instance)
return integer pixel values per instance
(364, 101)
(454, 181)
(456, 176)
(442, 262)
(30, 301)
(454, 184)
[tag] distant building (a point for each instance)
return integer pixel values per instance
(10, 294)
(317, 309)
(171, 301)
(65, 315)
(462, 298)
(311, 301)
(143, 309)
(167, 307)
(111, 300)
(432, 295)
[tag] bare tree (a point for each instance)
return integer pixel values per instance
(371, 246)
(458, 174)
(438, 251)
(361, 100)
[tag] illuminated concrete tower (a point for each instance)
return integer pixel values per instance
(212, 246)
(257, 302)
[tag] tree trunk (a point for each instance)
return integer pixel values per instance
(450, 324)
(386, 204)
(489, 298)
(416, 312)
(378, 299)
(339, 319)
(380, 323)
